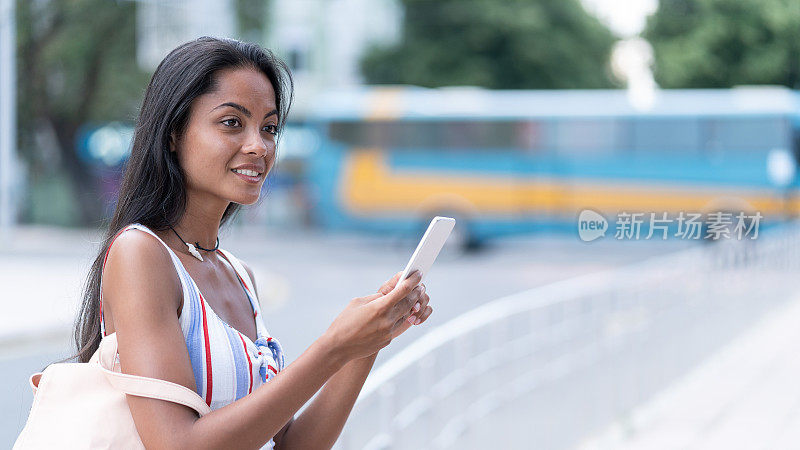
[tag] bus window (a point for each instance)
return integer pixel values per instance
(747, 133)
(650, 135)
(586, 136)
(431, 134)
(796, 144)
(530, 135)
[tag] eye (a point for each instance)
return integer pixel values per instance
(230, 122)
(271, 129)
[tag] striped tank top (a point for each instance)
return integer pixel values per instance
(227, 365)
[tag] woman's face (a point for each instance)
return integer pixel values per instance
(233, 127)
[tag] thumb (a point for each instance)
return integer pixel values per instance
(370, 297)
(390, 284)
(402, 289)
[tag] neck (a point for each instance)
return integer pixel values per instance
(200, 222)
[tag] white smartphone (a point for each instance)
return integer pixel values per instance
(429, 247)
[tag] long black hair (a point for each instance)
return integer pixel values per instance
(153, 186)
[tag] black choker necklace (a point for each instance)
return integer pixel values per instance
(193, 248)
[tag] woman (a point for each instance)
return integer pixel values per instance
(182, 312)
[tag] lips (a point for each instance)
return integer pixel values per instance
(248, 178)
(254, 167)
(249, 173)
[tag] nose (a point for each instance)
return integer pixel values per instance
(256, 145)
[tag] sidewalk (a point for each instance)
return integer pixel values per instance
(41, 271)
(747, 396)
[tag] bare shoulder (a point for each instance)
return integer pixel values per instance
(142, 291)
(140, 270)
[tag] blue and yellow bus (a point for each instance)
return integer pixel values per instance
(507, 162)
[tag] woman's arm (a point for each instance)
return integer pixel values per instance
(320, 425)
(250, 421)
(142, 294)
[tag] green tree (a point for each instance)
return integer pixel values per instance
(76, 65)
(519, 44)
(251, 19)
(724, 43)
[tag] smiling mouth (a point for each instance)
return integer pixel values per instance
(246, 175)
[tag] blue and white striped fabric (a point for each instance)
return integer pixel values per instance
(226, 364)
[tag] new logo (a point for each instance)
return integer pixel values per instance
(591, 225)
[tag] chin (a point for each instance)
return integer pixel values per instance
(244, 197)
(246, 200)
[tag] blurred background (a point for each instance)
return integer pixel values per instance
(664, 320)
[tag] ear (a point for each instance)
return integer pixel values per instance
(173, 142)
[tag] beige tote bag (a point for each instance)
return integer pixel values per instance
(83, 406)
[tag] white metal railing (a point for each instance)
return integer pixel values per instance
(657, 318)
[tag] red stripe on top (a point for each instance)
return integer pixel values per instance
(249, 365)
(105, 258)
(255, 313)
(209, 385)
(272, 369)
(237, 273)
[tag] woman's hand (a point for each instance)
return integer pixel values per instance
(420, 311)
(370, 323)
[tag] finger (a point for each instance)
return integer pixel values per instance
(424, 316)
(413, 317)
(422, 301)
(403, 324)
(390, 284)
(420, 304)
(398, 295)
(371, 297)
(408, 304)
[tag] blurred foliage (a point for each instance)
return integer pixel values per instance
(251, 18)
(520, 44)
(724, 43)
(76, 64)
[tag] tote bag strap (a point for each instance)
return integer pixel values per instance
(143, 386)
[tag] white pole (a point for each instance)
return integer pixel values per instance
(8, 135)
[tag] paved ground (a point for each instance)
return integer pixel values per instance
(747, 396)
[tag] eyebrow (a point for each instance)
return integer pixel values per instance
(244, 110)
